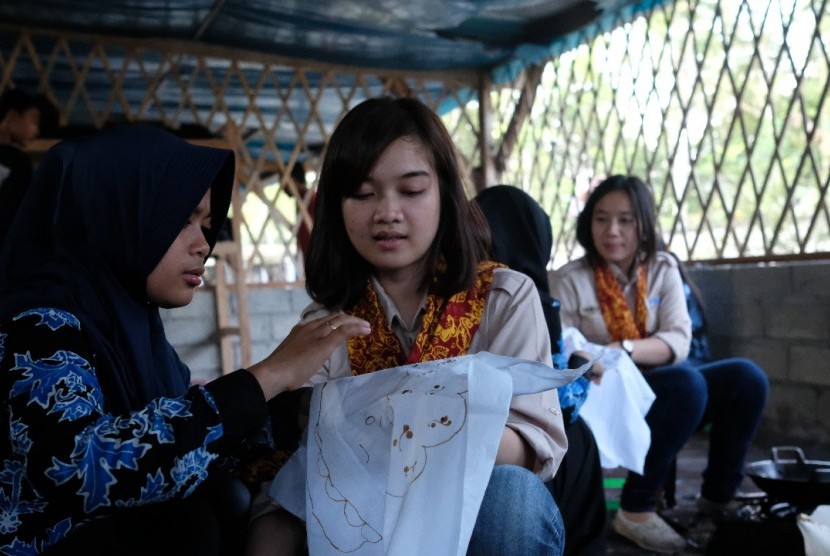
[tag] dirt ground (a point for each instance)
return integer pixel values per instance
(699, 529)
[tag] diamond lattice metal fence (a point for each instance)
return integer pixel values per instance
(277, 116)
(720, 106)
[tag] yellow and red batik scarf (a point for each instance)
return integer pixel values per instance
(621, 323)
(446, 331)
(447, 328)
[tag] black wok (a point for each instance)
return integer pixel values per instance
(789, 477)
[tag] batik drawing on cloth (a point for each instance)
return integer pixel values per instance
(399, 459)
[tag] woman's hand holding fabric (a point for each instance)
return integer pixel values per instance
(304, 351)
(580, 357)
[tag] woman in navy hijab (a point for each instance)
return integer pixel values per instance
(521, 237)
(108, 450)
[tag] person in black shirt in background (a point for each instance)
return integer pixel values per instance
(522, 238)
(19, 125)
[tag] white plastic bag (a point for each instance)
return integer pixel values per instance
(815, 528)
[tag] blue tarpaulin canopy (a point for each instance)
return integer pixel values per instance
(410, 35)
(425, 37)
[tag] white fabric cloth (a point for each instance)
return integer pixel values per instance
(615, 409)
(396, 462)
(815, 528)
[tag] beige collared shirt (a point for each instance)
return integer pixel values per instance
(512, 325)
(668, 318)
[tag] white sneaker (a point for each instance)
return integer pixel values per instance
(655, 534)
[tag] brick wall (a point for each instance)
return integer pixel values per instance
(192, 330)
(779, 315)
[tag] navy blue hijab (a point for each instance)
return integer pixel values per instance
(100, 214)
(521, 237)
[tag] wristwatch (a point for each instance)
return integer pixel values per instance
(628, 346)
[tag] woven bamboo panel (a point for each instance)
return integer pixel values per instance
(721, 106)
(276, 115)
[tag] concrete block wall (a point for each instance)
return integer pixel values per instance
(193, 331)
(273, 311)
(777, 314)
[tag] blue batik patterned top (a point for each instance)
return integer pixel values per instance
(574, 394)
(95, 461)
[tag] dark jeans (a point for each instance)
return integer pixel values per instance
(517, 517)
(728, 393)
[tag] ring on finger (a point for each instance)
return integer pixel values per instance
(330, 322)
